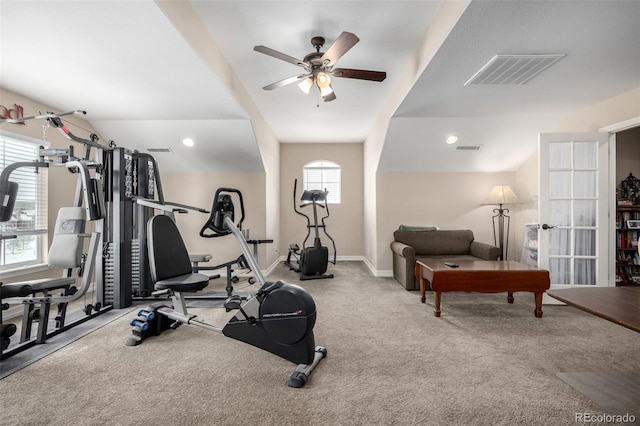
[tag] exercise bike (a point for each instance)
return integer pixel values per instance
(312, 262)
(279, 318)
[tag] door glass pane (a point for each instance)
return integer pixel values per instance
(559, 155)
(585, 155)
(585, 242)
(559, 184)
(585, 271)
(560, 212)
(559, 271)
(585, 184)
(559, 242)
(584, 212)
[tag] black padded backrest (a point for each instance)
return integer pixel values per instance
(168, 256)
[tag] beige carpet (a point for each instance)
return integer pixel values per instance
(390, 361)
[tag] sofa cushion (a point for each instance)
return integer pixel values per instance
(417, 228)
(443, 242)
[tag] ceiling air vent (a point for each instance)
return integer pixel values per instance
(468, 147)
(156, 150)
(513, 69)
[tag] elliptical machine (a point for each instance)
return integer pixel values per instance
(279, 318)
(312, 262)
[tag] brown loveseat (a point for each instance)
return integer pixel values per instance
(411, 245)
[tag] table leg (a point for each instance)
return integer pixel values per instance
(436, 303)
(538, 311)
(510, 297)
(423, 287)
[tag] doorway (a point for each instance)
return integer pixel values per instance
(606, 229)
(573, 208)
(625, 236)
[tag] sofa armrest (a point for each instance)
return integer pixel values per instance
(484, 251)
(403, 250)
(404, 263)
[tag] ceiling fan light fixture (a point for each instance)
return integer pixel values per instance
(305, 85)
(326, 90)
(323, 80)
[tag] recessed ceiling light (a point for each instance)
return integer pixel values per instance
(451, 139)
(188, 142)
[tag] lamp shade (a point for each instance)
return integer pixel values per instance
(305, 85)
(502, 194)
(323, 80)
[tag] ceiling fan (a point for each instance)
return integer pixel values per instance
(319, 66)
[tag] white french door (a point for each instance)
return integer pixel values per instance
(574, 208)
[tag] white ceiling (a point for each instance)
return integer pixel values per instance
(145, 85)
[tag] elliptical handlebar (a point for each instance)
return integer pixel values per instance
(295, 208)
(324, 229)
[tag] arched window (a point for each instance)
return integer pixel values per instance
(323, 175)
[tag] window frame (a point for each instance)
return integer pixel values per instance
(325, 168)
(25, 149)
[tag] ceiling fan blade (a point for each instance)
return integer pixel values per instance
(280, 55)
(343, 43)
(359, 74)
(286, 81)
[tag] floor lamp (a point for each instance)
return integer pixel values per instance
(501, 195)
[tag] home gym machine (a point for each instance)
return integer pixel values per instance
(37, 296)
(123, 180)
(279, 318)
(312, 262)
(129, 180)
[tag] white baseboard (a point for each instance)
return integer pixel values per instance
(384, 273)
(338, 259)
(272, 267)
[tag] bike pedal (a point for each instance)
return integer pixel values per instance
(232, 303)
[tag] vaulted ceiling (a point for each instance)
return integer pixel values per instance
(145, 83)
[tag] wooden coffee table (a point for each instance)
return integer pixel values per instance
(482, 276)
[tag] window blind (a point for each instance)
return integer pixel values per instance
(324, 175)
(29, 220)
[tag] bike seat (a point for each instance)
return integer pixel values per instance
(186, 282)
